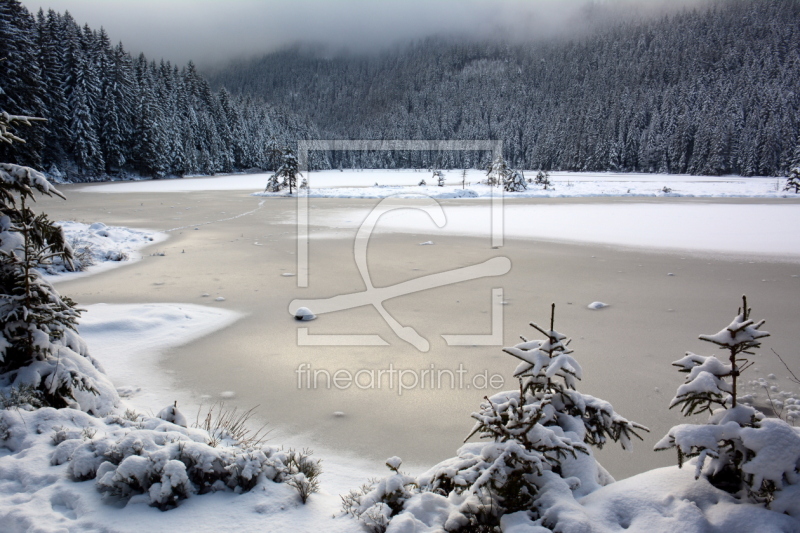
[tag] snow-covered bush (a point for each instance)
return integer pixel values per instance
(302, 473)
(375, 503)
(438, 175)
(171, 414)
(128, 455)
(39, 347)
(541, 437)
(514, 182)
(738, 449)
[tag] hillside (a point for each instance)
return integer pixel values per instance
(711, 91)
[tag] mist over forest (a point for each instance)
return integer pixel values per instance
(702, 91)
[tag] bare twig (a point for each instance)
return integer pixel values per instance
(794, 377)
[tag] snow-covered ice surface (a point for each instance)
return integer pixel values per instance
(361, 184)
(99, 248)
(129, 340)
(767, 229)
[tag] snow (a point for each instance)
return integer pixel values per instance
(304, 313)
(47, 446)
(597, 305)
(695, 227)
(129, 339)
(41, 450)
(361, 184)
(99, 248)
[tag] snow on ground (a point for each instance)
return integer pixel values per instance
(128, 340)
(98, 248)
(742, 229)
(362, 184)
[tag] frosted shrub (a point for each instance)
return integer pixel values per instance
(301, 472)
(169, 462)
(375, 503)
(514, 182)
(543, 179)
(738, 450)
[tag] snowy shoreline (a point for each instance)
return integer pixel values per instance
(375, 183)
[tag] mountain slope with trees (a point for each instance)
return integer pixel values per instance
(707, 91)
(111, 114)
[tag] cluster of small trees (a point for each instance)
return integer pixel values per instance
(539, 458)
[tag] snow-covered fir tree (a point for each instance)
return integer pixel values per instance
(543, 179)
(438, 175)
(40, 350)
(793, 181)
(515, 182)
(286, 174)
(540, 448)
(738, 449)
(498, 172)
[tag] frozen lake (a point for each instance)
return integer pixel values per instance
(227, 244)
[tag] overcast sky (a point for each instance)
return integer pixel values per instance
(209, 31)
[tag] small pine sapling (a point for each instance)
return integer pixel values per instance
(541, 433)
(438, 175)
(793, 181)
(737, 450)
(498, 172)
(543, 179)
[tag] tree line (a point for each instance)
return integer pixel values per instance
(712, 90)
(111, 114)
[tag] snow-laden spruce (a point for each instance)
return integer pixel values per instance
(793, 181)
(738, 450)
(40, 351)
(540, 442)
(286, 175)
(515, 182)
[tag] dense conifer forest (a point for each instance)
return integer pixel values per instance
(710, 91)
(110, 114)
